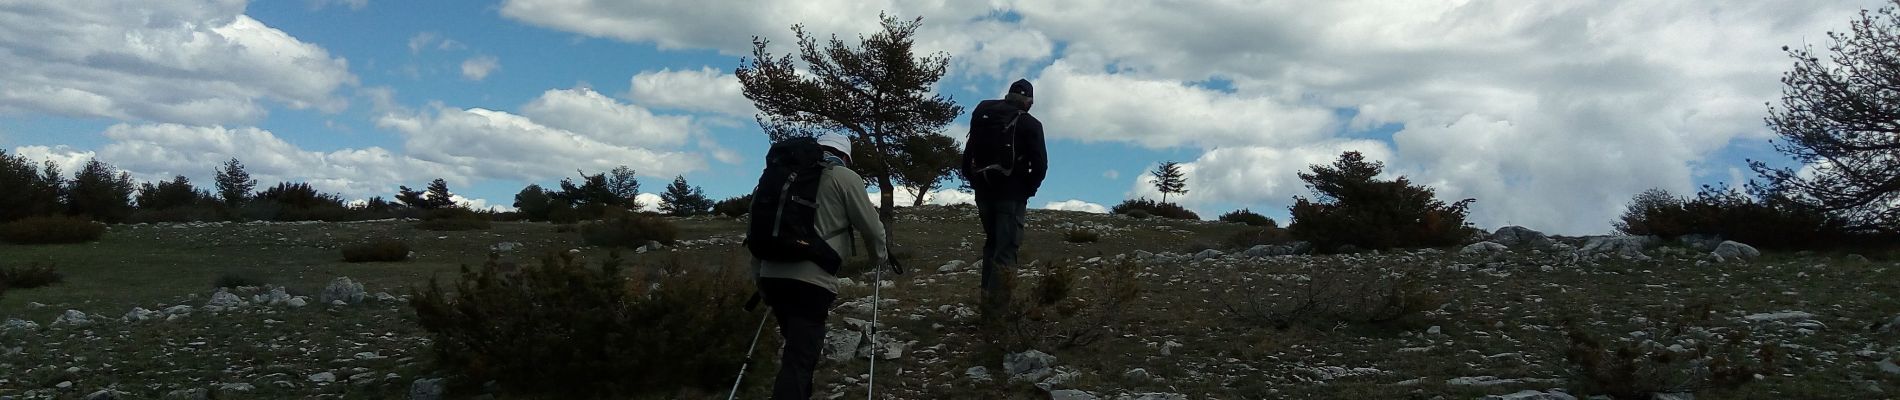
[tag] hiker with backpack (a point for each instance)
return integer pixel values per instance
(807, 212)
(1004, 160)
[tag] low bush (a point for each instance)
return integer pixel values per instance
(52, 229)
(1334, 292)
(1061, 311)
(453, 219)
(1151, 207)
(1762, 221)
(1611, 363)
(233, 280)
(30, 276)
(1081, 236)
(1254, 237)
(629, 231)
(1246, 216)
(378, 250)
(734, 207)
(1354, 208)
(565, 329)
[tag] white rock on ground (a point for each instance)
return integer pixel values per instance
(323, 377)
(952, 266)
(1071, 394)
(1152, 396)
(1623, 246)
(1482, 248)
(140, 314)
(1208, 254)
(1518, 236)
(178, 309)
(72, 318)
(1888, 366)
(426, 389)
(1028, 366)
(223, 299)
(296, 302)
(1138, 375)
(275, 297)
(1777, 316)
(1733, 250)
(15, 324)
(237, 387)
(505, 246)
(103, 394)
(1672, 396)
(842, 344)
(1532, 395)
(188, 394)
(978, 373)
(342, 289)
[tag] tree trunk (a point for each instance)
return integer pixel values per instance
(886, 209)
(918, 194)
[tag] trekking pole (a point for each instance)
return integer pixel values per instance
(870, 385)
(748, 357)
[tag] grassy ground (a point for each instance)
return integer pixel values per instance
(1500, 317)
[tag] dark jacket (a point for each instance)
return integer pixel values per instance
(1032, 157)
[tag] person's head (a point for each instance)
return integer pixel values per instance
(836, 144)
(1021, 93)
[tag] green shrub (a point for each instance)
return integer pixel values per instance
(1254, 237)
(453, 219)
(1246, 216)
(629, 231)
(734, 207)
(1765, 222)
(1061, 311)
(1604, 363)
(563, 328)
(51, 230)
(1081, 236)
(30, 276)
(1151, 207)
(562, 212)
(377, 250)
(1355, 209)
(235, 280)
(1137, 214)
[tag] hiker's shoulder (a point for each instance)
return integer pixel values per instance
(843, 174)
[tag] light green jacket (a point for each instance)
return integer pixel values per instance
(842, 205)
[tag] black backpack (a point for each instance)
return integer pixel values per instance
(991, 145)
(784, 225)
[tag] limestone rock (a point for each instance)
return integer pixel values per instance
(1483, 248)
(342, 289)
(1071, 394)
(842, 344)
(223, 299)
(20, 325)
(323, 377)
(1733, 250)
(1622, 246)
(978, 373)
(275, 297)
(1152, 396)
(1518, 236)
(140, 314)
(1028, 366)
(1208, 254)
(1532, 395)
(426, 389)
(73, 318)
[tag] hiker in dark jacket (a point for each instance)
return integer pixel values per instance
(1004, 161)
(801, 293)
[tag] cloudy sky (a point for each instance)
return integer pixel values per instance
(1552, 114)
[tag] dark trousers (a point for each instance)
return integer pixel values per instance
(801, 309)
(1002, 236)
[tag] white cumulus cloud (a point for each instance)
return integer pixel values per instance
(197, 62)
(702, 90)
(539, 144)
(478, 67)
(1076, 205)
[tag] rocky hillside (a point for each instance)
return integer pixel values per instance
(1518, 315)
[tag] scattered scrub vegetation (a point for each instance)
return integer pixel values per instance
(1325, 296)
(377, 250)
(1150, 207)
(29, 276)
(231, 280)
(1062, 312)
(1354, 208)
(51, 229)
(629, 231)
(560, 327)
(1615, 365)
(1761, 221)
(1246, 216)
(734, 207)
(453, 219)
(1254, 237)
(1081, 236)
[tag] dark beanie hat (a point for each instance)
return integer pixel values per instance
(1022, 87)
